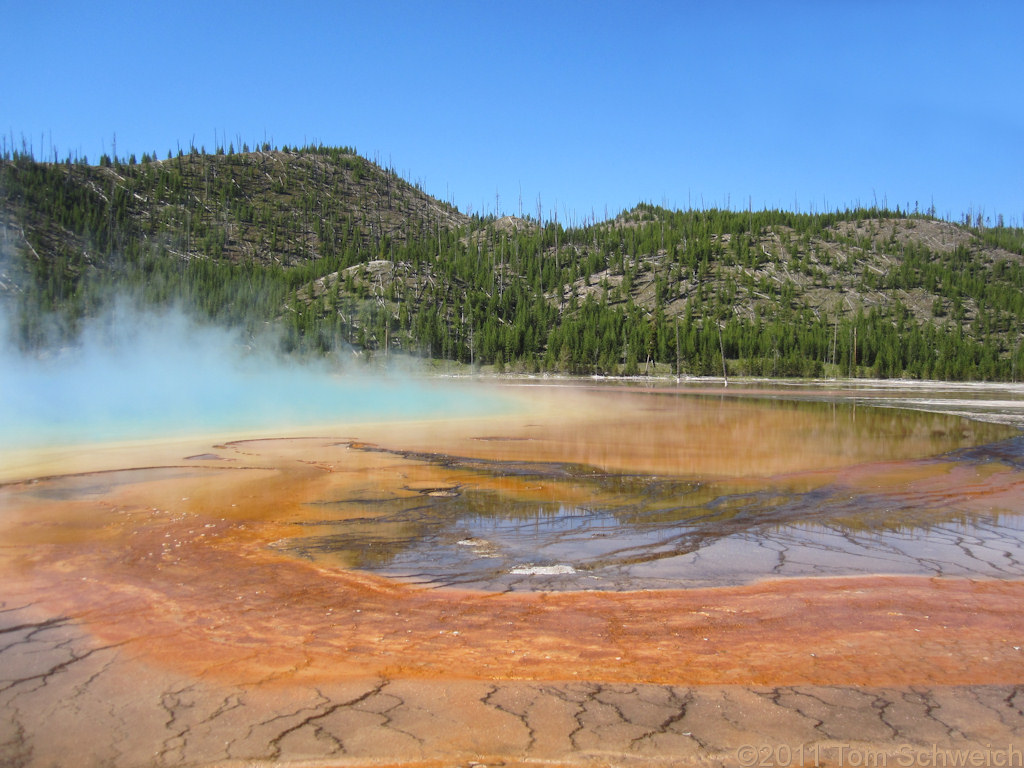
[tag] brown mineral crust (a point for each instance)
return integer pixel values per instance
(230, 609)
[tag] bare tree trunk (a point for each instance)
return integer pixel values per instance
(721, 346)
(677, 349)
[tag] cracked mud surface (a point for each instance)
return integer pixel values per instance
(191, 612)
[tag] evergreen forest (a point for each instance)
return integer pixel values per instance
(343, 256)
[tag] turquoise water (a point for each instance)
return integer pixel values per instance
(162, 376)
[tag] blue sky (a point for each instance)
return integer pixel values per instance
(587, 106)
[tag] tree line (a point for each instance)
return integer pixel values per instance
(340, 254)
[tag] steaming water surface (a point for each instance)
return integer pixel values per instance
(57, 408)
(157, 376)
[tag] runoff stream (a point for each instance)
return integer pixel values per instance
(881, 492)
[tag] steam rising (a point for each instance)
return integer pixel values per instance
(139, 375)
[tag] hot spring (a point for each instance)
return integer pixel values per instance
(217, 559)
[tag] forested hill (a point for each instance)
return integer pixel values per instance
(342, 254)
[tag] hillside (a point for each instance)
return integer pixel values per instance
(340, 253)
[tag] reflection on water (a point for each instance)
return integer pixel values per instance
(573, 526)
(666, 433)
(99, 484)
